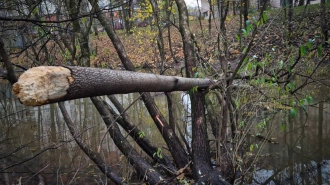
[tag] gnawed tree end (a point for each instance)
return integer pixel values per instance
(50, 84)
(40, 85)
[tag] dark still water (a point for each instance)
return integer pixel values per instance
(303, 153)
(36, 146)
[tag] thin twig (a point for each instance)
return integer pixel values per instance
(36, 173)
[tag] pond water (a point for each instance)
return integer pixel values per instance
(35, 142)
(303, 153)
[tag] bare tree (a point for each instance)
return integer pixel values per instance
(62, 36)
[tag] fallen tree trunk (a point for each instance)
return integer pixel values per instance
(50, 84)
(149, 174)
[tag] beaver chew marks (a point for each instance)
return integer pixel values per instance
(39, 85)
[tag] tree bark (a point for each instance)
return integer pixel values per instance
(188, 44)
(82, 34)
(160, 40)
(245, 11)
(168, 8)
(6, 60)
(171, 110)
(178, 152)
(150, 175)
(211, 14)
(213, 118)
(135, 133)
(127, 11)
(202, 168)
(323, 21)
(200, 147)
(108, 27)
(290, 21)
(95, 157)
(43, 85)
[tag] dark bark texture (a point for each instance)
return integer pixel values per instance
(178, 152)
(6, 60)
(49, 84)
(95, 157)
(150, 175)
(135, 133)
(201, 165)
(200, 150)
(82, 32)
(95, 82)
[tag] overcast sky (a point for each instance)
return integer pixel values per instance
(192, 2)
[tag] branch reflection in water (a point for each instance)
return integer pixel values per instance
(35, 140)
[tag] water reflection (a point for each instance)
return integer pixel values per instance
(36, 144)
(39, 137)
(303, 153)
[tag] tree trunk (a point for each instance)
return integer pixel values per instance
(178, 152)
(6, 60)
(200, 147)
(112, 35)
(200, 17)
(42, 85)
(290, 21)
(234, 7)
(171, 110)
(82, 34)
(211, 14)
(160, 40)
(135, 133)
(95, 157)
(202, 168)
(168, 7)
(150, 175)
(128, 15)
(323, 21)
(212, 116)
(245, 11)
(188, 44)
